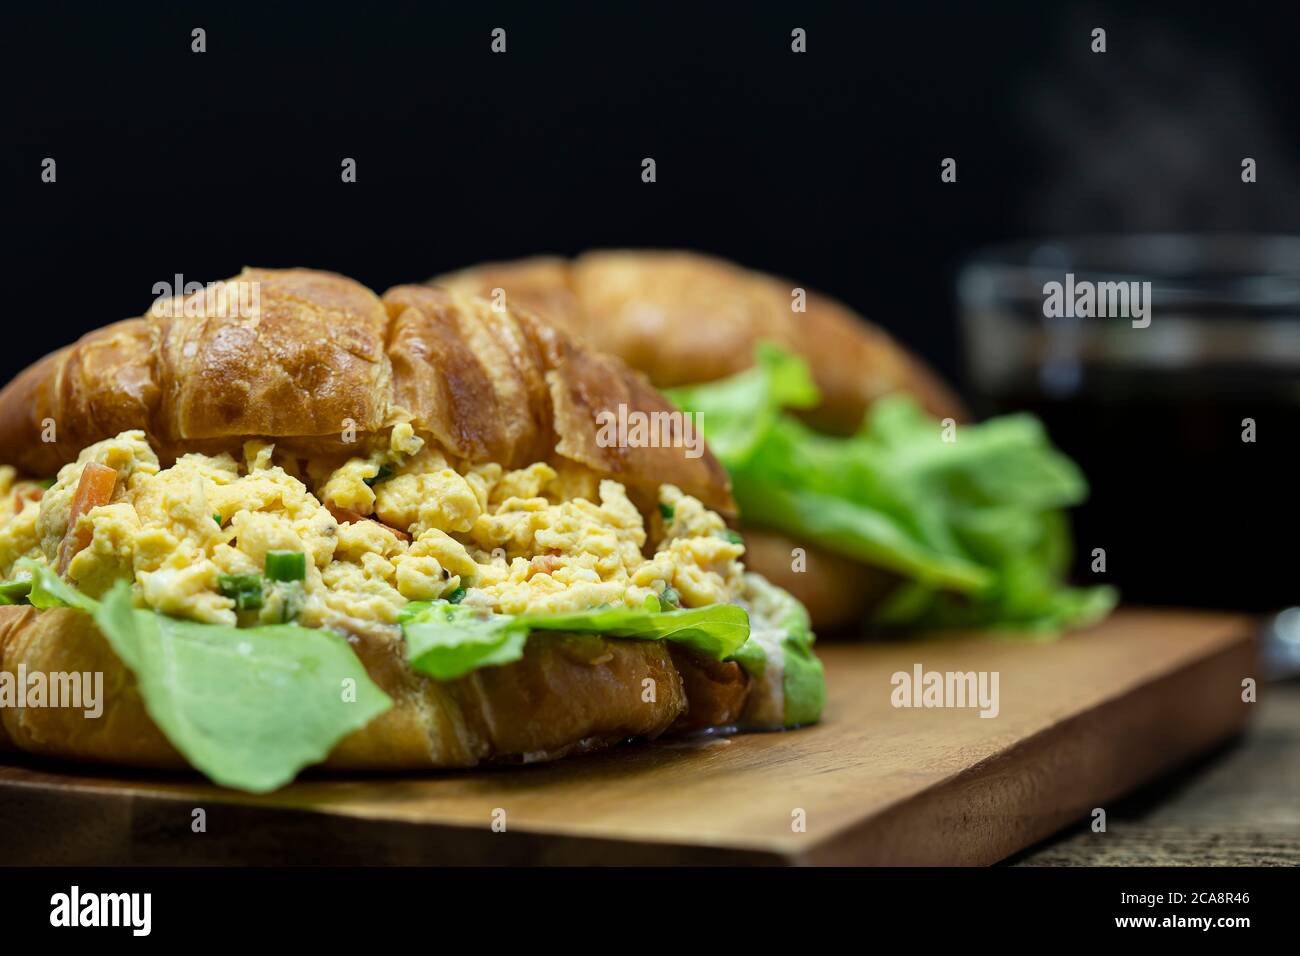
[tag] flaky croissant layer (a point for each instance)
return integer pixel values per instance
(319, 362)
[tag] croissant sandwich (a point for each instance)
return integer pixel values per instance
(864, 492)
(311, 525)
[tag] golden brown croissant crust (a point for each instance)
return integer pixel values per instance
(569, 694)
(684, 318)
(321, 353)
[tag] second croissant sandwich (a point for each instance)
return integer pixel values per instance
(314, 525)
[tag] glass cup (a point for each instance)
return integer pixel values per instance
(1181, 404)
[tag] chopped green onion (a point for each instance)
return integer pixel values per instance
(383, 474)
(291, 601)
(217, 519)
(456, 596)
(16, 591)
(46, 483)
(244, 589)
(732, 536)
(667, 512)
(671, 597)
(239, 582)
(286, 565)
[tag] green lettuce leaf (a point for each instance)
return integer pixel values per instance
(802, 678)
(47, 589)
(973, 526)
(447, 641)
(715, 631)
(15, 591)
(804, 681)
(249, 707)
(741, 409)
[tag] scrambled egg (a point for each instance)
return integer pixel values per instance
(400, 524)
(19, 507)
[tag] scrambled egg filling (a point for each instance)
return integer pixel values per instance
(403, 523)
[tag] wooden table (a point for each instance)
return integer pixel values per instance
(1081, 722)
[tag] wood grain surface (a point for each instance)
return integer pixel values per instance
(1082, 720)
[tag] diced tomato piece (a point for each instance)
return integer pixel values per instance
(543, 564)
(94, 489)
(26, 493)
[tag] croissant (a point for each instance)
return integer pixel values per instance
(420, 448)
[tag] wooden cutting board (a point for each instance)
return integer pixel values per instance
(1081, 720)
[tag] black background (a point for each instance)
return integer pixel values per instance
(822, 166)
